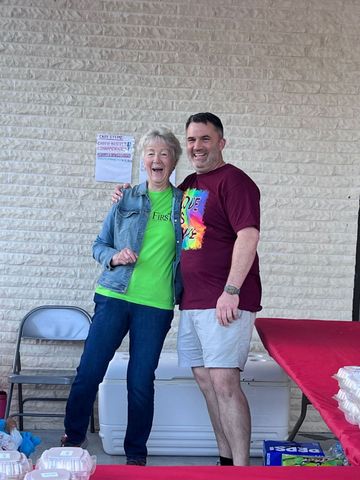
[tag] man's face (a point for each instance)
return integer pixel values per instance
(204, 145)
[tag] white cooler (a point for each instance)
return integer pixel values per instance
(181, 423)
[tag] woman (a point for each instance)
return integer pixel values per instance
(139, 248)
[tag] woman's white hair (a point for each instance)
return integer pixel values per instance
(162, 133)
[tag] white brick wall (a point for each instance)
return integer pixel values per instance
(282, 74)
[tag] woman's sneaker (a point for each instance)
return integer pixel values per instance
(65, 442)
(140, 462)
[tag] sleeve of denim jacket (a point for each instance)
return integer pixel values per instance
(103, 247)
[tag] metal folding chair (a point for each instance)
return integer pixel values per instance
(48, 342)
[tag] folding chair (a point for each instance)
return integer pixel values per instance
(48, 340)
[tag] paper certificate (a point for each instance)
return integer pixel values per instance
(114, 156)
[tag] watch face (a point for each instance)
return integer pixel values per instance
(232, 290)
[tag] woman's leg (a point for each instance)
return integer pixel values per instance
(109, 325)
(148, 329)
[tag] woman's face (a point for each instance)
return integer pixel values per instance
(159, 164)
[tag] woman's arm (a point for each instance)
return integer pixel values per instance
(104, 250)
(103, 246)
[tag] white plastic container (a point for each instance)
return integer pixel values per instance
(348, 396)
(181, 422)
(56, 473)
(74, 459)
(14, 465)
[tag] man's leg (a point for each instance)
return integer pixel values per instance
(225, 350)
(234, 412)
(190, 354)
(201, 340)
(203, 379)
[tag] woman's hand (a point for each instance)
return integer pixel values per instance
(117, 195)
(124, 257)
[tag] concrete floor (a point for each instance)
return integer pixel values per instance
(51, 438)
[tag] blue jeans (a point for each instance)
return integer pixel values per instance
(112, 320)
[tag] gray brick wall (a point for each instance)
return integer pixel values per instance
(282, 74)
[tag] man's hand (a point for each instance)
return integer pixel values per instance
(227, 308)
(117, 195)
(124, 257)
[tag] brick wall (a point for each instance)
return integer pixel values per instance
(282, 74)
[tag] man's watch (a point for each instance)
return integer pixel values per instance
(231, 290)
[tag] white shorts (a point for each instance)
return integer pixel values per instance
(203, 342)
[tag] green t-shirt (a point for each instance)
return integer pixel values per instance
(152, 280)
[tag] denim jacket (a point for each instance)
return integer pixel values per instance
(124, 227)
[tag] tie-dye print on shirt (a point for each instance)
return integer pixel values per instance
(192, 218)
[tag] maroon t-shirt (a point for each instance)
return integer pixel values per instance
(215, 206)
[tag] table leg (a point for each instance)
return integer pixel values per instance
(304, 404)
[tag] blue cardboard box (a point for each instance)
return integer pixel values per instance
(273, 450)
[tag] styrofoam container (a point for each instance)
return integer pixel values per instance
(181, 423)
(74, 459)
(14, 464)
(344, 372)
(349, 405)
(57, 473)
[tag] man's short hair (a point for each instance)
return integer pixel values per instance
(206, 117)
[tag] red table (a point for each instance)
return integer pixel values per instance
(123, 472)
(311, 352)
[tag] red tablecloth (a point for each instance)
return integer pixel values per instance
(311, 352)
(123, 472)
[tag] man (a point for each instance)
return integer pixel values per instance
(220, 218)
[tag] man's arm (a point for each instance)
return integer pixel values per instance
(117, 194)
(243, 256)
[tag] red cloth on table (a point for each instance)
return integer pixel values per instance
(311, 352)
(124, 472)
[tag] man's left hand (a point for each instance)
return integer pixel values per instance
(227, 308)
